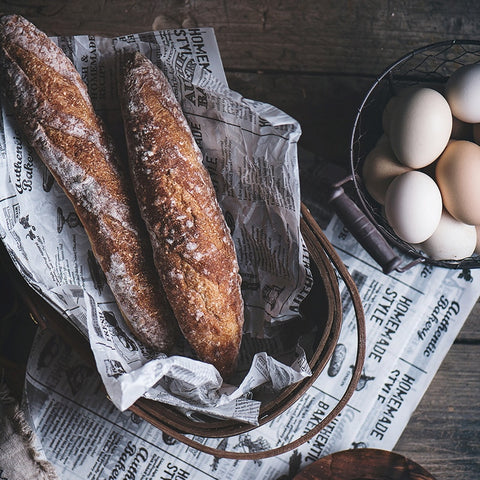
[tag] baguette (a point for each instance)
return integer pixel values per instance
(52, 105)
(193, 249)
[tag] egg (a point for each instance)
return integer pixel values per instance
(391, 106)
(458, 176)
(420, 126)
(451, 240)
(379, 169)
(477, 246)
(382, 141)
(388, 113)
(413, 206)
(462, 92)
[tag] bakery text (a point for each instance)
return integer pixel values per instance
(392, 397)
(133, 457)
(438, 322)
(389, 313)
(23, 169)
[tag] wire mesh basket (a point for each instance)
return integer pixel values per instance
(429, 66)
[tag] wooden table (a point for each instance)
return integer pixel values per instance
(315, 60)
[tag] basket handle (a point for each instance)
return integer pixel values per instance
(313, 233)
(364, 230)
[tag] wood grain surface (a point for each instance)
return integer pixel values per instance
(364, 464)
(315, 60)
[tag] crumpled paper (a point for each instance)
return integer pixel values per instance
(250, 152)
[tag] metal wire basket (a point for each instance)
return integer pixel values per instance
(429, 66)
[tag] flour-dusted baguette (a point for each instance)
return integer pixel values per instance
(52, 105)
(193, 248)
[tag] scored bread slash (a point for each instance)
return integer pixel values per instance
(193, 249)
(53, 109)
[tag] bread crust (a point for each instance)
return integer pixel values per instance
(193, 249)
(52, 106)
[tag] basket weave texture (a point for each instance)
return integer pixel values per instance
(324, 304)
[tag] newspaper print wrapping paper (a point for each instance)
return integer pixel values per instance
(412, 320)
(250, 151)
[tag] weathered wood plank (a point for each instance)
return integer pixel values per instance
(443, 434)
(325, 105)
(342, 36)
(470, 332)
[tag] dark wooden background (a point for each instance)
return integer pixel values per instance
(315, 60)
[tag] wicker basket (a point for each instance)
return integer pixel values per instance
(430, 66)
(324, 305)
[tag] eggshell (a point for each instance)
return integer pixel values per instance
(379, 169)
(462, 92)
(383, 140)
(458, 177)
(388, 113)
(477, 246)
(451, 240)
(420, 127)
(413, 206)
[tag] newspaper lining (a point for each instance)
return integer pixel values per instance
(412, 319)
(250, 152)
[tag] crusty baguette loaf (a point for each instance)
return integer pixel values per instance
(193, 249)
(52, 106)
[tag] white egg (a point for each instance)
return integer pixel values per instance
(413, 206)
(451, 240)
(379, 169)
(391, 106)
(462, 92)
(420, 126)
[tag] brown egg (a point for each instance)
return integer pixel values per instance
(458, 177)
(379, 169)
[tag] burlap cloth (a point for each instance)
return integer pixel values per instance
(19, 460)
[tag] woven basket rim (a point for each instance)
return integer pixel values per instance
(314, 233)
(171, 417)
(325, 258)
